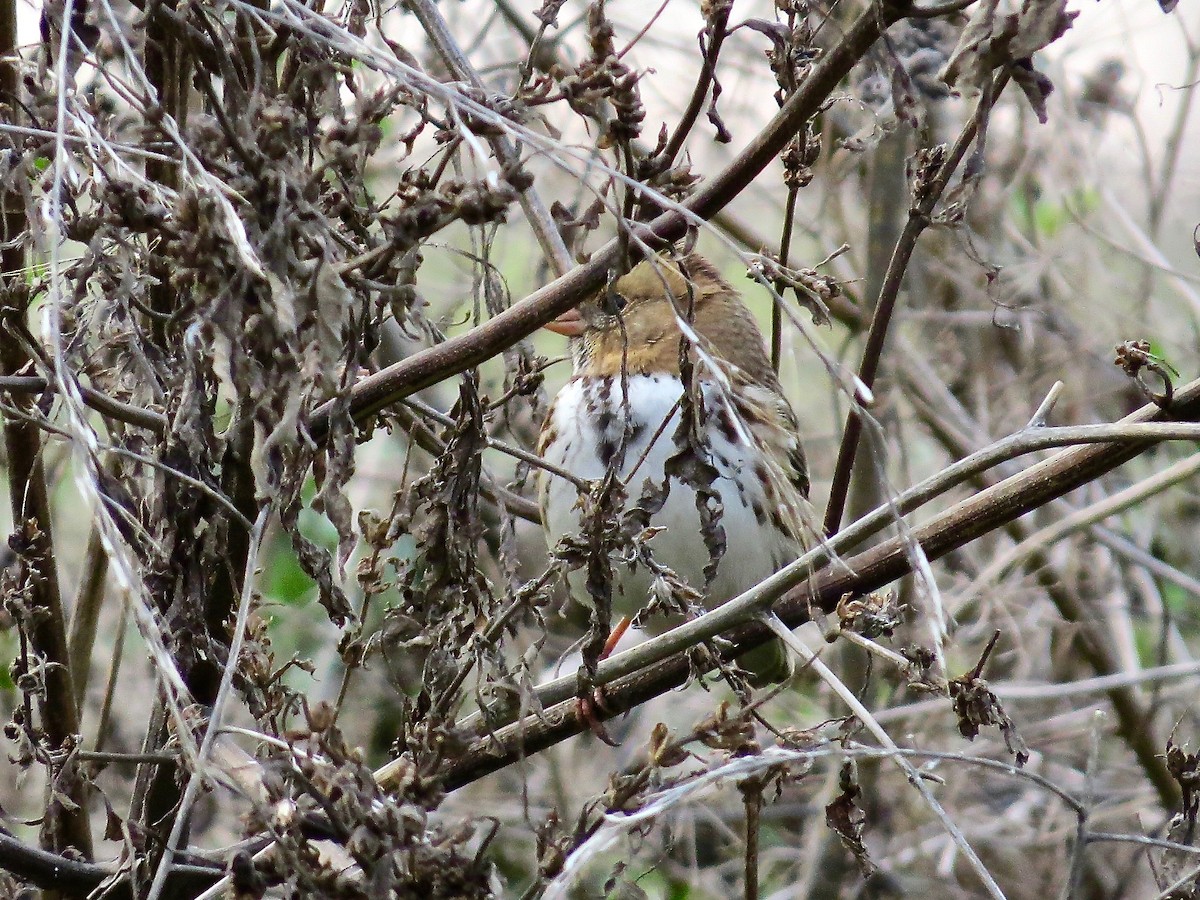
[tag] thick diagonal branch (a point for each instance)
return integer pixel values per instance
(465, 351)
(984, 512)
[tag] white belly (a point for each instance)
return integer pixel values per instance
(587, 444)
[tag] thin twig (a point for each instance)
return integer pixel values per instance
(1174, 144)
(199, 485)
(536, 212)
(740, 768)
(918, 219)
(847, 696)
(938, 405)
(715, 28)
(462, 352)
(1078, 852)
(424, 438)
(141, 152)
(85, 612)
(1097, 512)
(67, 822)
(1124, 547)
(104, 721)
(218, 709)
(1044, 409)
(509, 449)
(751, 602)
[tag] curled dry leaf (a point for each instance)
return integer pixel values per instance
(977, 706)
(923, 673)
(692, 466)
(1134, 358)
(1185, 769)
(997, 38)
(733, 733)
(846, 818)
(873, 615)
(663, 749)
(812, 290)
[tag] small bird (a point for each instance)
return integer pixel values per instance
(738, 448)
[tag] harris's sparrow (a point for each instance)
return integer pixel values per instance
(738, 448)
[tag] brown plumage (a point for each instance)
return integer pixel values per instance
(651, 323)
(629, 336)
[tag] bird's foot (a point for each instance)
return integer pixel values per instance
(588, 710)
(590, 703)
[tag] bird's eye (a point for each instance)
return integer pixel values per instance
(614, 302)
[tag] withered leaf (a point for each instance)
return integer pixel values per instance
(976, 706)
(846, 818)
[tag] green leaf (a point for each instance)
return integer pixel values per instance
(8, 652)
(284, 581)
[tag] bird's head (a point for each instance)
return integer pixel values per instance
(635, 322)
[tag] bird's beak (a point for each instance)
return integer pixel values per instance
(570, 323)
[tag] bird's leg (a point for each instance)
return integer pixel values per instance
(590, 699)
(614, 637)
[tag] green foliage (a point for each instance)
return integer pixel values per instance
(283, 579)
(8, 652)
(1050, 215)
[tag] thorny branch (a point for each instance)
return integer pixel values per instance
(931, 180)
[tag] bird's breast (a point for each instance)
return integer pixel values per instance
(597, 424)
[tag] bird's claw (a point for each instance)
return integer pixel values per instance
(586, 709)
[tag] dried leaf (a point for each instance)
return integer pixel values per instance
(977, 706)
(993, 40)
(1035, 86)
(844, 816)
(664, 750)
